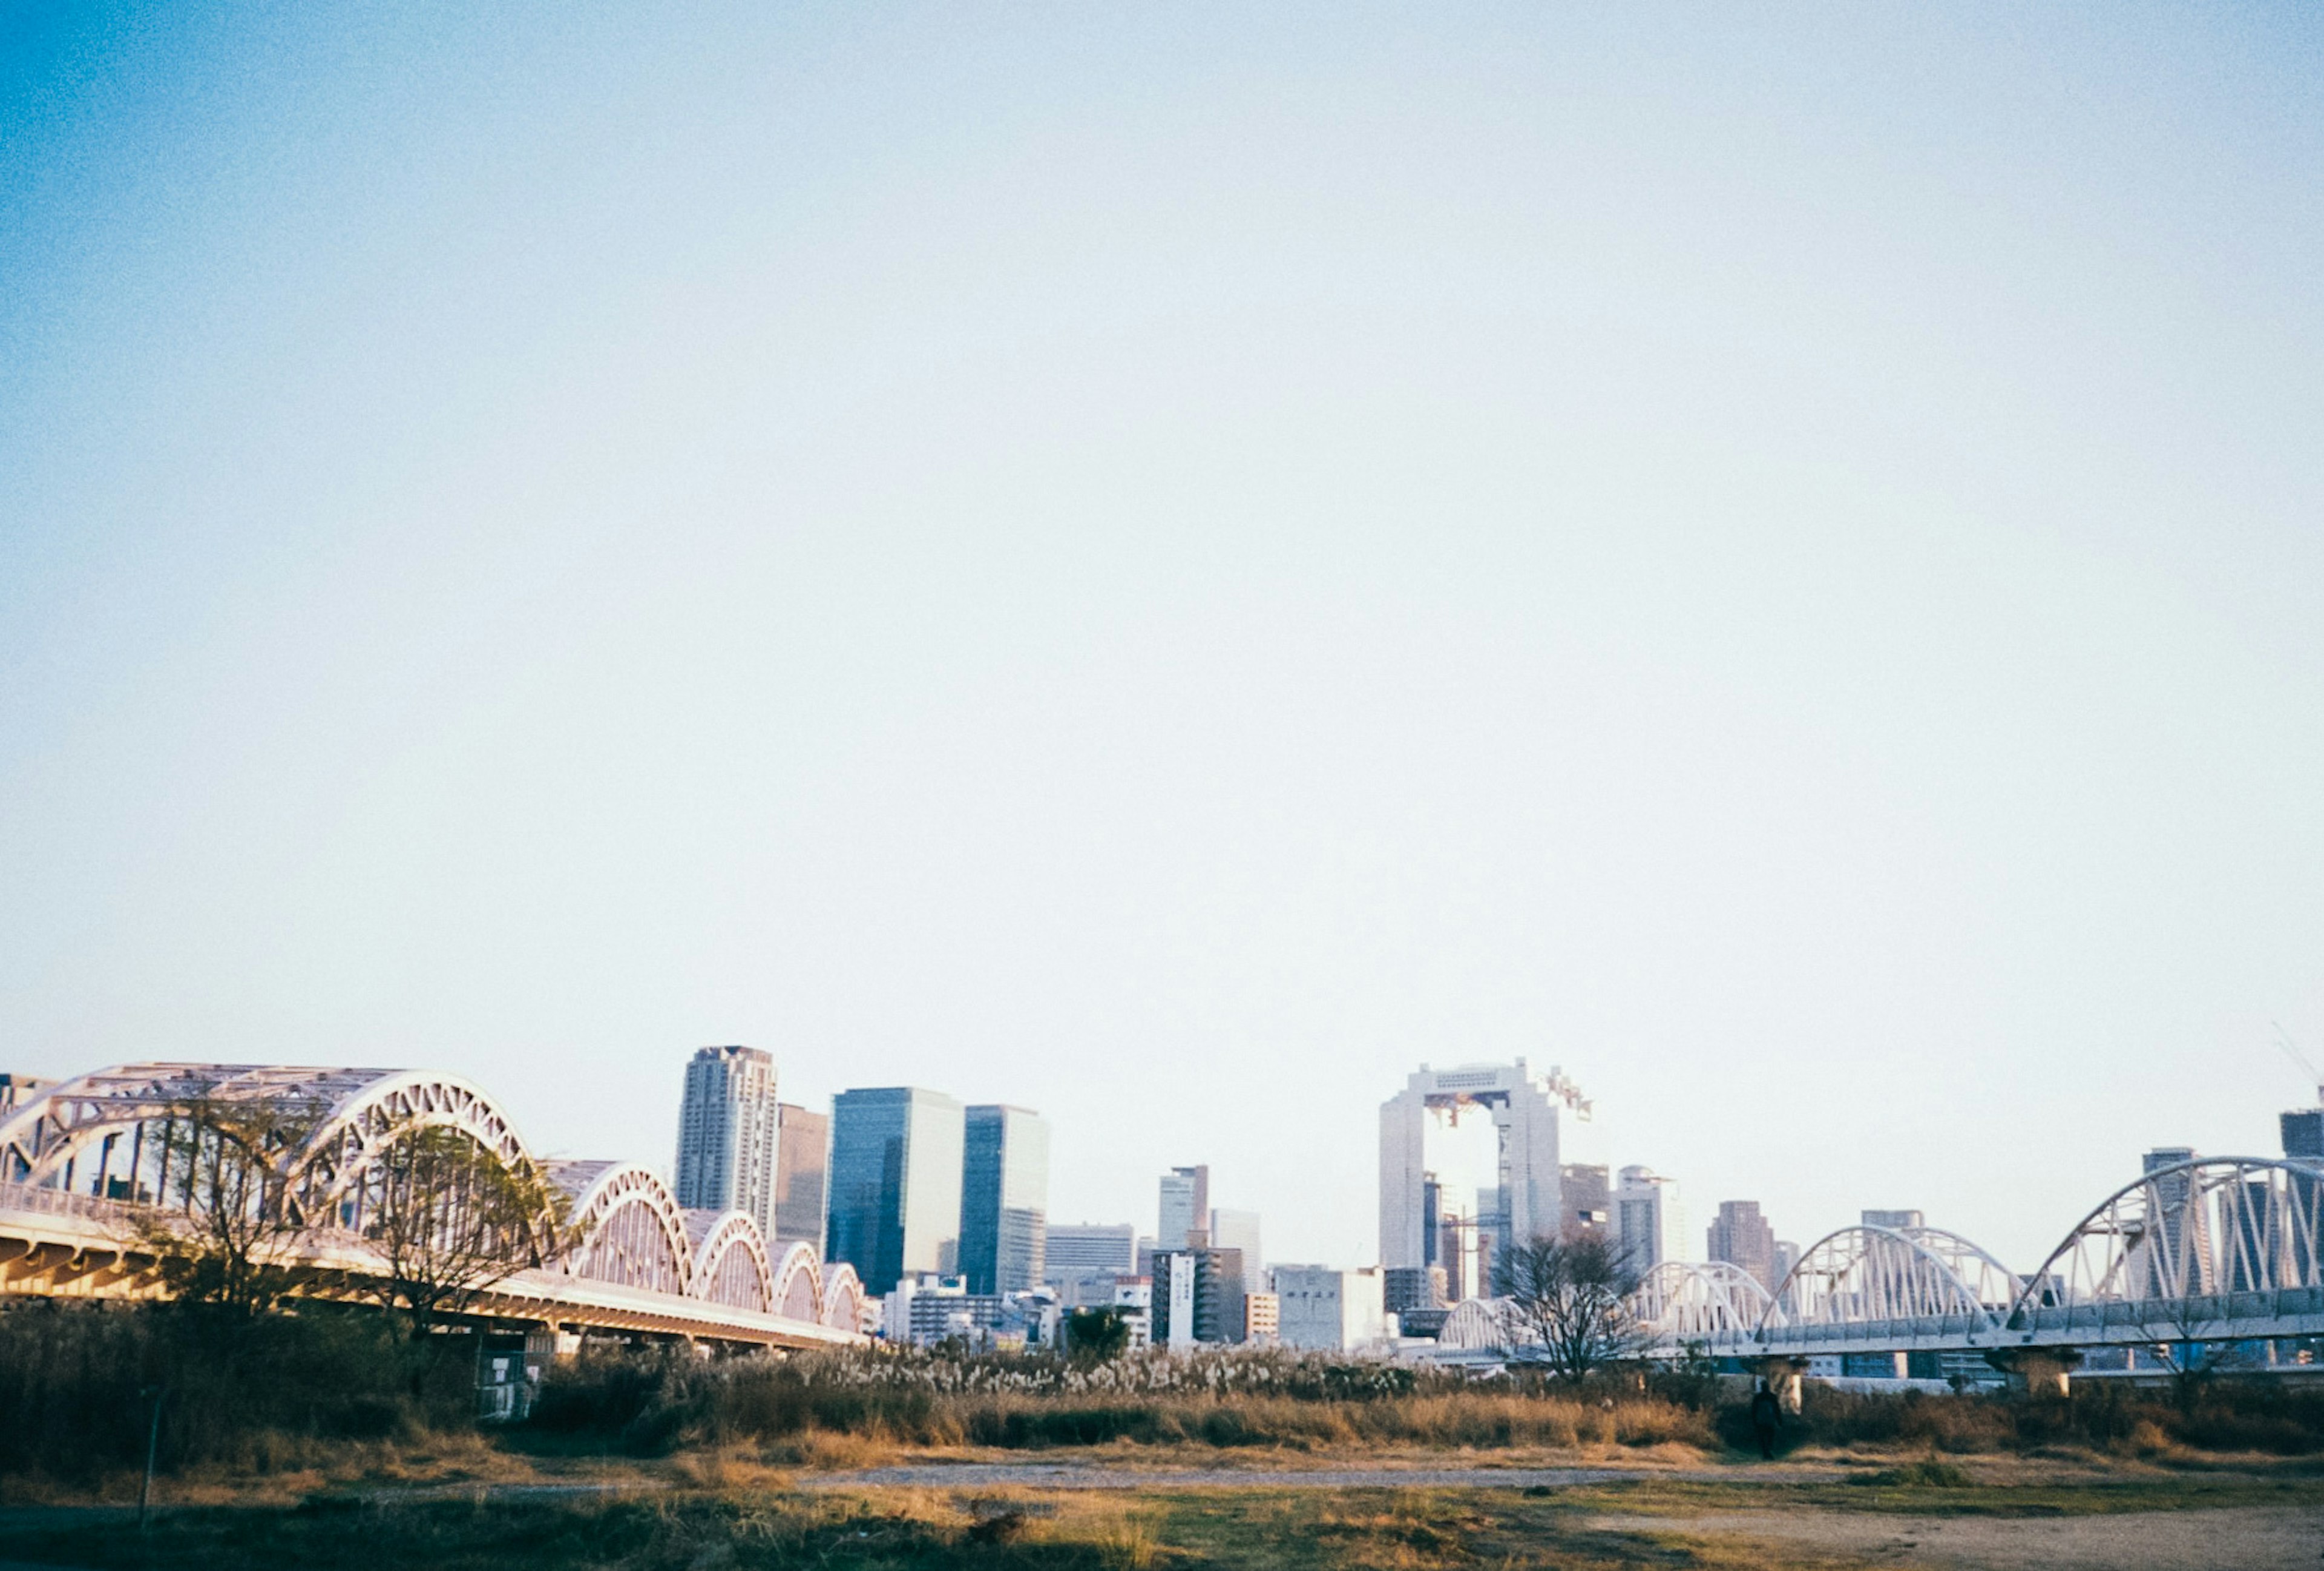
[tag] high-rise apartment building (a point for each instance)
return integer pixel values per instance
(896, 1159)
(1744, 1238)
(1185, 1206)
(727, 1134)
(802, 1173)
(1437, 1193)
(1004, 1198)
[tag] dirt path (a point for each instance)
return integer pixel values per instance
(2230, 1539)
(1071, 1476)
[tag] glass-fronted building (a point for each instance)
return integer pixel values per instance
(895, 1182)
(1004, 1200)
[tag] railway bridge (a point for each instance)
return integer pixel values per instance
(2216, 1260)
(87, 1198)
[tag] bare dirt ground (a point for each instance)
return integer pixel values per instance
(2231, 1539)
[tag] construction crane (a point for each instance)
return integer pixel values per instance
(2292, 1050)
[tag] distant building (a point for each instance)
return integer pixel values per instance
(1649, 1222)
(1184, 1208)
(1463, 1222)
(1219, 1293)
(1172, 1299)
(2177, 1209)
(1406, 1288)
(1240, 1230)
(16, 1090)
(1587, 1197)
(2303, 1129)
(1742, 1237)
(1787, 1255)
(727, 1133)
(1262, 1319)
(802, 1174)
(1893, 1219)
(1084, 1257)
(1327, 1310)
(896, 1159)
(1004, 1198)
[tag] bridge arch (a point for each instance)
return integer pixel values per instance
(843, 1298)
(1916, 1282)
(799, 1283)
(631, 1231)
(2186, 1242)
(1473, 1326)
(1681, 1301)
(90, 1134)
(728, 1261)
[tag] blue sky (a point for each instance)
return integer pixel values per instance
(1171, 565)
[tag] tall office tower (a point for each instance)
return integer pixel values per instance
(2303, 1129)
(1649, 1222)
(1404, 1287)
(1004, 1198)
(1742, 1237)
(802, 1173)
(1185, 1207)
(726, 1134)
(1240, 1230)
(2176, 1259)
(1892, 1219)
(1787, 1255)
(1588, 1199)
(896, 1158)
(1471, 1154)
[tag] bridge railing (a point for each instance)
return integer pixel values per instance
(39, 1201)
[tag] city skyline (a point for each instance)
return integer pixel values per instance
(1167, 567)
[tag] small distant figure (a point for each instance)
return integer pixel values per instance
(1766, 1414)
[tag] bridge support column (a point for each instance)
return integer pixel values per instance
(1784, 1377)
(2038, 1371)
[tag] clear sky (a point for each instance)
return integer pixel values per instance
(1170, 564)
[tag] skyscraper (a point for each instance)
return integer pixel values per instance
(1648, 1222)
(1742, 1237)
(726, 1134)
(1440, 1192)
(896, 1156)
(802, 1173)
(1004, 1200)
(1185, 1206)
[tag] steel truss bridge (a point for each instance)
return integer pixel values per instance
(82, 1190)
(2197, 1256)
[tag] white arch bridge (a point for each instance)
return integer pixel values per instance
(88, 1185)
(2217, 1251)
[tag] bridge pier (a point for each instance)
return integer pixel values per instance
(1784, 1377)
(2038, 1371)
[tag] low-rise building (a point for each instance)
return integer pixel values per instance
(1328, 1310)
(1261, 1318)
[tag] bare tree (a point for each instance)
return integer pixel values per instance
(450, 1219)
(225, 1222)
(1566, 1297)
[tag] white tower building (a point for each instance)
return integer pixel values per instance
(728, 1134)
(1649, 1222)
(1432, 1216)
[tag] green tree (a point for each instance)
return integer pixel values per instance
(1096, 1336)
